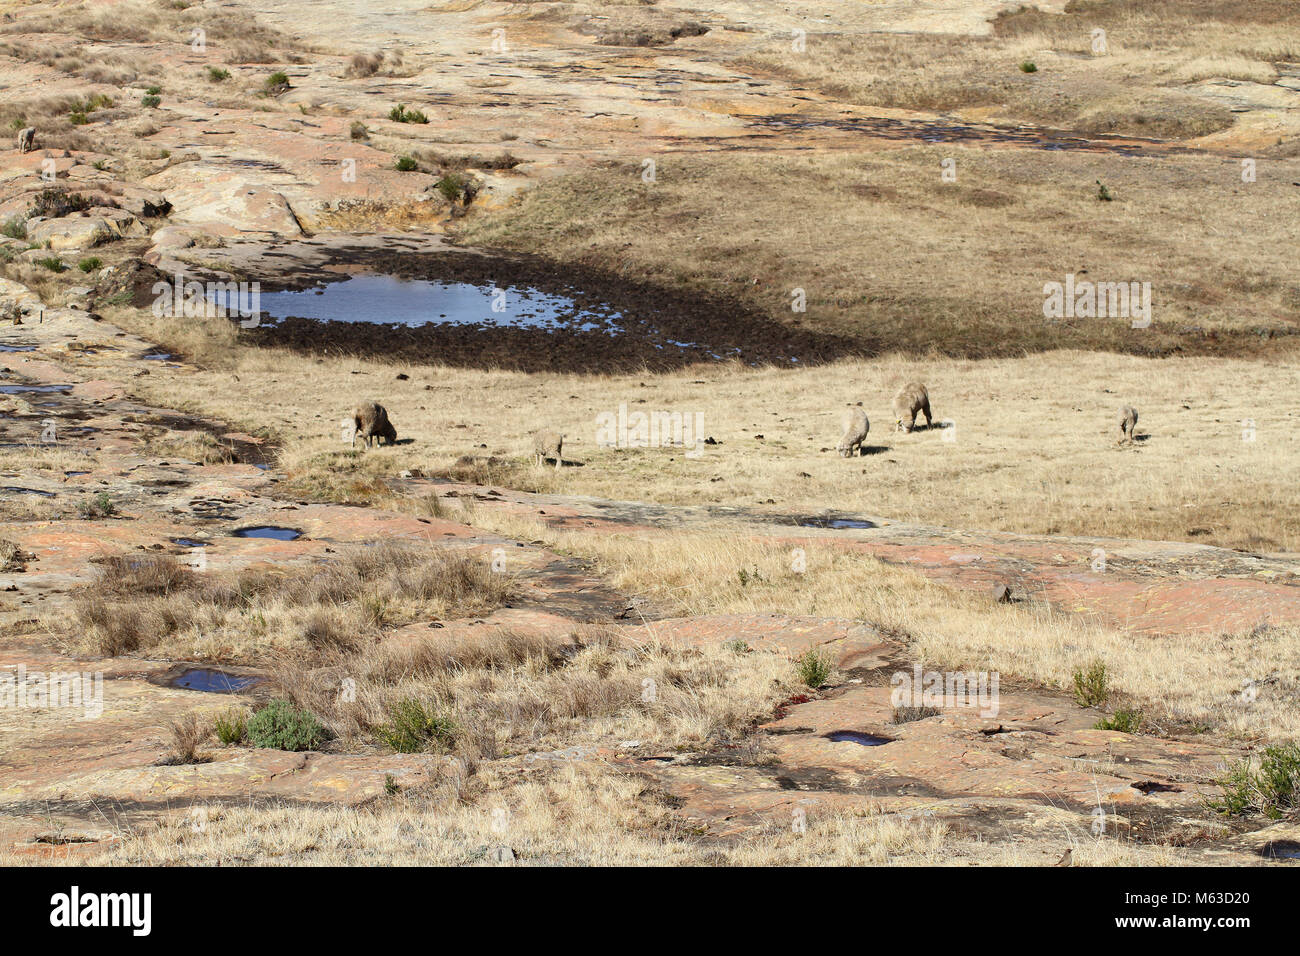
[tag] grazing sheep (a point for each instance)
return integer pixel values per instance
(27, 139)
(1128, 419)
(370, 422)
(855, 427)
(911, 398)
(548, 445)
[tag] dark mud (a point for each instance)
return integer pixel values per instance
(660, 328)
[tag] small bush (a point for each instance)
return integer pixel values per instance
(1125, 721)
(1270, 790)
(1103, 194)
(15, 229)
(1029, 66)
(405, 164)
(57, 203)
(813, 668)
(282, 726)
(100, 506)
(416, 727)
(149, 101)
(232, 726)
(154, 90)
(53, 263)
(1091, 686)
(400, 114)
(452, 187)
(359, 130)
(217, 74)
(277, 83)
(78, 118)
(90, 264)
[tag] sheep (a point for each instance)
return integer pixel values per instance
(27, 139)
(370, 422)
(911, 398)
(548, 445)
(855, 427)
(1128, 419)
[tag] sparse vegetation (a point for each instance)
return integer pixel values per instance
(400, 114)
(231, 726)
(90, 264)
(1269, 786)
(405, 164)
(282, 726)
(415, 726)
(1091, 685)
(814, 668)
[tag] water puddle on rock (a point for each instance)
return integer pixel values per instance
(190, 543)
(1281, 850)
(856, 737)
(18, 389)
(268, 531)
(837, 523)
(17, 348)
(27, 491)
(390, 300)
(214, 681)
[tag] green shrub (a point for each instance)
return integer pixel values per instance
(53, 263)
(154, 90)
(232, 726)
(1029, 66)
(1103, 194)
(90, 264)
(1271, 789)
(149, 101)
(814, 668)
(17, 123)
(57, 203)
(405, 164)
(452, 186)
(78, 118)
(400, 114)
(416, 727)
(277, 79)
(282, 726)
(1090, 686)
(359, 131)
(1125, 721)
(216, 74)
(100, 506)
(15, 228)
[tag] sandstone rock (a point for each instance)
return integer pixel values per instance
(70, 232)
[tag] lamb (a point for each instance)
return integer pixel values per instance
(911, 398)
(1128, 419)
(855, 427)
(27, 139)
(370, 422)
(548, 445)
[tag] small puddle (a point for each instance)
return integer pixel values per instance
(156, 357)
(190, 543)
(1281, 850)
(27, 491)
(17, 348)
(213, 681)
(75, 474)
(268, 531)
(836, 523)
(16, 389)
(856, 737)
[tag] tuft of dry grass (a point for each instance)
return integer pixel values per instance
(151, 603)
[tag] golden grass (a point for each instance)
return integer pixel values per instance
(1178, 682)
(1034, 446)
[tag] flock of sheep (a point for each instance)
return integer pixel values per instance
(370, 423)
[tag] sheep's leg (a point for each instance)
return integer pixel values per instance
(929, 422)
(559, 460)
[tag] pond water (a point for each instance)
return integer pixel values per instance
(268, 531)
(389, 300)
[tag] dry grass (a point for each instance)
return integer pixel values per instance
(1176, 682)
(503, 693)
(153, 603)
(1034, 446)
(577, 814)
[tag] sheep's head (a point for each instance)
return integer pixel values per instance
(389, 433)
